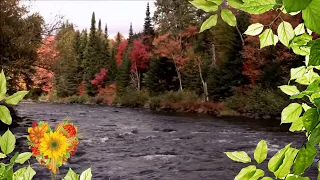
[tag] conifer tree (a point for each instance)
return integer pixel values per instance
(130, 38)
(66, 71)
(91, 56)
(147, 27)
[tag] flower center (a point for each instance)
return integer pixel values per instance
(54, 144)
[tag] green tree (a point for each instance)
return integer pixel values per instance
(226, 73)
(130, 38)
(20, 36)
(161, 76)
(148, 29)
(66, 70)
(174, 16)
(92, 53)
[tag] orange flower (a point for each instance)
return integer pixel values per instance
(73, 145)
(37, 132)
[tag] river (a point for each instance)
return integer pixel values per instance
(123, 143)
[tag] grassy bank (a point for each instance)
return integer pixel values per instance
(254, 103)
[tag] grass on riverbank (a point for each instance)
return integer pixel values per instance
(257, 101)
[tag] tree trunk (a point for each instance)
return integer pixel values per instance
(204, 84)
(214, 59)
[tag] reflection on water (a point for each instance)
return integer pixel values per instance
(121, 143)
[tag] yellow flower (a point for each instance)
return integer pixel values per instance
(54, 145)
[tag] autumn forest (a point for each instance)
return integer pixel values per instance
(168, 66)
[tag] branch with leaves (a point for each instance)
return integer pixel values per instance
(288, 163)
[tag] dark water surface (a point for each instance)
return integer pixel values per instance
(121, 143)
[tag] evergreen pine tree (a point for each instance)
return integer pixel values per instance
(78, 50)
(160, 76)
(224, 77)
(123, 75)
(147, 27)
(66, 79)
(130, 38)
(112, 70)
(91, 57)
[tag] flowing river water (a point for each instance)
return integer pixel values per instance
(123, 143)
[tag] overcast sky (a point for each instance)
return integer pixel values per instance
(117, 14)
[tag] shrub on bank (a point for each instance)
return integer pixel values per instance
(258, 100)
(133, 98)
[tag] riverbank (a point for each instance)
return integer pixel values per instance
(256, 105)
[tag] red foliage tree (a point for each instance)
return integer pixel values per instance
(47, 53)
(100, 78)
(140, 59)
(120, 51)
(47, 57)
(256, 58)
(175, 47)
(43, 79)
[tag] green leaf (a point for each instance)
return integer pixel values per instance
(28, 173)
(239, 156)
(277, 159)
(204, 5)
(310, 119)
(228, 17)
(304, 159)
(295, 177)
(315, 53)
(287, 163)
(71, 175)
(291, 113)
(285, 33)
(314, 137)
(257, 6)
(235, 3)
(18, 175)
(296, 5)
(267, 178)
(311, 16)
(246, 173)
(16, 97)
(23, 157)
(302, 40)
(309, 31)
(305, 106)
(2, 155)
(210, 22)
(296, 73)
(5, 116)
(259, 173)
(254, 29)
(302, 50)
(217, 2)
(261, 151)
(299, 29)
(276, 40)
(7, 142)
(296, 125)
(289, 90)
(86, 175)
(3, 85)
(266, 38)
(314, 87)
